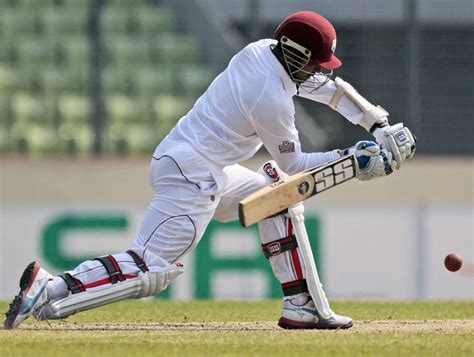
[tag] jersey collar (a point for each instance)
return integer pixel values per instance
(288, 84)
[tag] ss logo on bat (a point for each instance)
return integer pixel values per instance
(334, 175)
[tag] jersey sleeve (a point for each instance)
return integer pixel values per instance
(345, 107)
(273, 120)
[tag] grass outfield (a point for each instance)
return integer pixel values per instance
(216, 328)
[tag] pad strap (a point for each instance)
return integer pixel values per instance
(279, 246)
(74, 285)
(138, 261)
(295, 287)
(112, 267)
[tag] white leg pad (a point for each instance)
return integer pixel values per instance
(312, 278)
(148, 284)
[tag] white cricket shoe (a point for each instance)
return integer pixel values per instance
(300, 312)
(32, 296)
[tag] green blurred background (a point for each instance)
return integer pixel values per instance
(81, 77)
(111, 77)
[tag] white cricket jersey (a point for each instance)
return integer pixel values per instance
(249, 104)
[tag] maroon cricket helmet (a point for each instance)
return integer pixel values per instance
(314, 32)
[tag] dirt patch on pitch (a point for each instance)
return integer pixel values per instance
(359, 326)
(415, 326)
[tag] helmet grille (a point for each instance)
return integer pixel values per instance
(296, 57)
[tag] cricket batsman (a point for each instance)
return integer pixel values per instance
(196, 176)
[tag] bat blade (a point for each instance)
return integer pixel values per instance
(280, 195)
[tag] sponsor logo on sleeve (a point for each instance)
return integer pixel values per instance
(286, 147)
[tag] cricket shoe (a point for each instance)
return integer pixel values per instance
(32, 296)
(300, 313)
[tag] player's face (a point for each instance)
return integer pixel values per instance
(307, 71)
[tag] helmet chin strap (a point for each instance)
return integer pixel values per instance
(296, 57)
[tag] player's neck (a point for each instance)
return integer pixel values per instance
(279, 55)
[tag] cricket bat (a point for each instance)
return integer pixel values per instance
(277, 197)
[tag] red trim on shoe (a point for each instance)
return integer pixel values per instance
(30, 283)
(291, 324)
(33, 276)
(97, 283)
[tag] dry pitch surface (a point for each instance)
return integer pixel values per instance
(446, 326)
(206, 328)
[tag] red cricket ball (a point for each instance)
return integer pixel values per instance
(453, 262)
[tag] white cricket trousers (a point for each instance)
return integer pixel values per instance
(189, 191)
